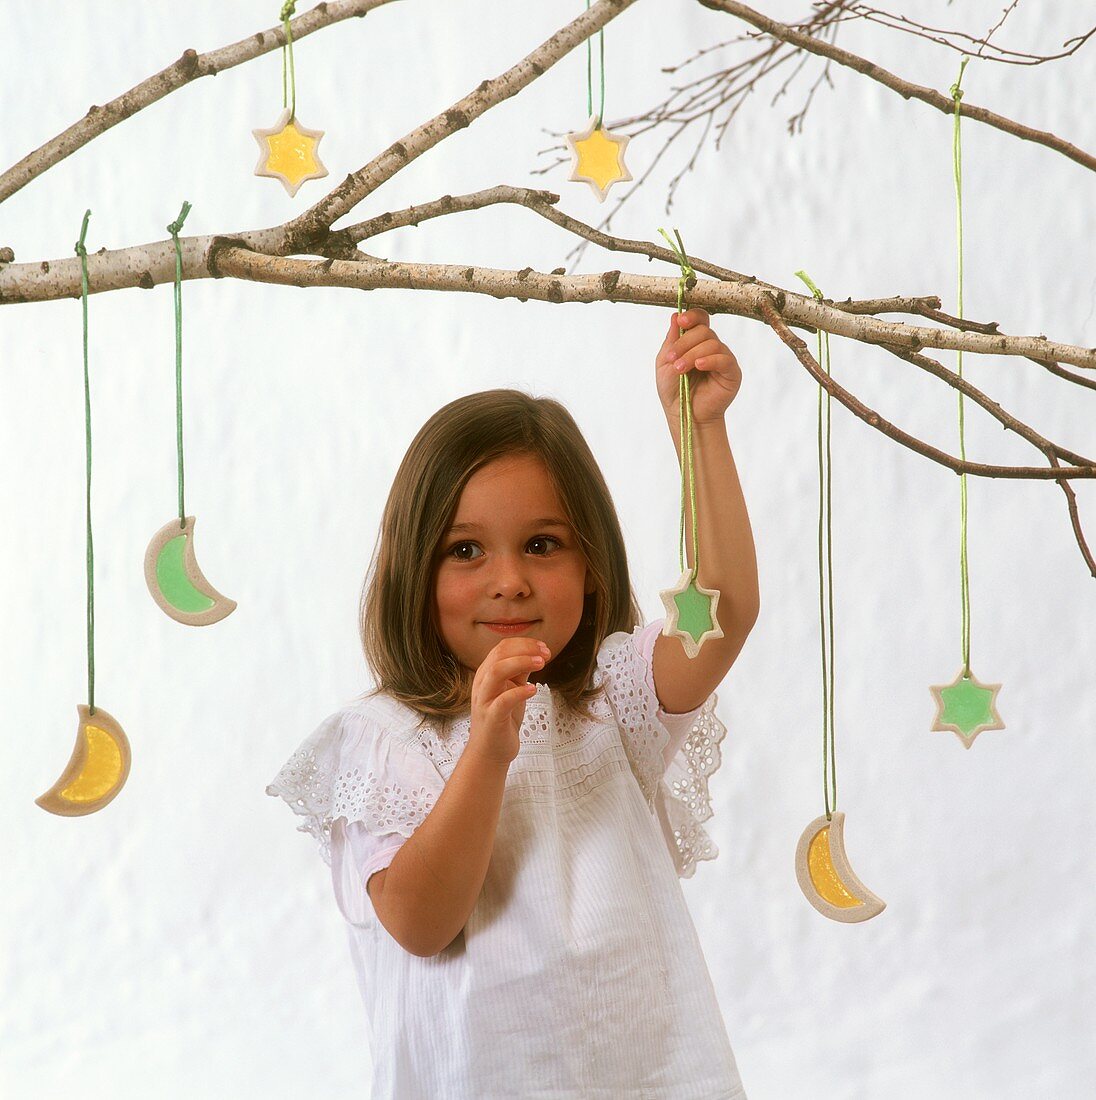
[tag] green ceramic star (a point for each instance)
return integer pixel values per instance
(966, 706)
(691, 613)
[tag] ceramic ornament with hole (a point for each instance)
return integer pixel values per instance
(691, 612)
(966, 706)
(289, 152)
(99, 764)
(597, 158)
(97, 769)
(825, 876)
(176, 583)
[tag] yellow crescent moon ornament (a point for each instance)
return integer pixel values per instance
(97, 769)
(597, 158)
(825, 876)
(175, 581)
(289, 152)
(966, 706)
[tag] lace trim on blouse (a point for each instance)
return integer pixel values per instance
(677, 793)
(343, 770)
(381, 769)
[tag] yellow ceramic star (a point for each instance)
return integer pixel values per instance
(966, 706)
(289, 152)
(597, 158)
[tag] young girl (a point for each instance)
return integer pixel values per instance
(507, 815)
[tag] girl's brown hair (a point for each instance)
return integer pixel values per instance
(399, 634)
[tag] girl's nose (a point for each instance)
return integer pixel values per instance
(509, 577)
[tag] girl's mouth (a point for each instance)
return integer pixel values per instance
(509, 628)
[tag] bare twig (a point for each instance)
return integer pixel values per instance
(936, 34)
(1086, 468)
(730, 87)
(771, 315)
(1052, 451)
(904, 88)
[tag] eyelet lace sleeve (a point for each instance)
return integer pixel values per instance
(672, 755)
(356, 766)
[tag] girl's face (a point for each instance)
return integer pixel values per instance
(510, 554)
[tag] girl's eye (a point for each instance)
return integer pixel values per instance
(453, 550)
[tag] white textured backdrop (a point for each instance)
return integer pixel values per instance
(185, 939)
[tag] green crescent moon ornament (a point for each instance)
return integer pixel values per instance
(967, 707)
(171, 570)
(175, 581)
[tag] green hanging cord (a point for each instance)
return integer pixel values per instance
(589, 76)
(288, 10)
(685, 282)
(829, 759)
(956, 95)
(82, 252)
(173, 229)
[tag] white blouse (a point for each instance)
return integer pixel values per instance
(579, 974)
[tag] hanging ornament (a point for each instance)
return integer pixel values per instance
(966, 706)
(99, 764)
(289, 151)
(821, 866)
(171, 570)
(825, 876)
(597, 156)
(691, 609)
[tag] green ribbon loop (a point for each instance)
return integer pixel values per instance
(82, 252)
(589, 76)
(174, 229)
(825, 514)
(288, 10)
(685, 282)
(964, 575)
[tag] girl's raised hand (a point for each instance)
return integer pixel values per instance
(716, 376)
(500, 689)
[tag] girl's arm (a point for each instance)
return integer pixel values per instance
(427, 893)
(728, 559)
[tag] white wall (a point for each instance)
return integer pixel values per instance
(185, 939)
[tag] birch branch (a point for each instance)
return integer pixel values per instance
(263, 256)
(190, 66)
(772, 315)
(740, 299)
(317, 220)
(147, 265)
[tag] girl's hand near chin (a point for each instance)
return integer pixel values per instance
(716, 378)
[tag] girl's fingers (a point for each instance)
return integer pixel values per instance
(519, 667)
(710, 356)
(690, 317)
(689, 343)
(720, 363)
